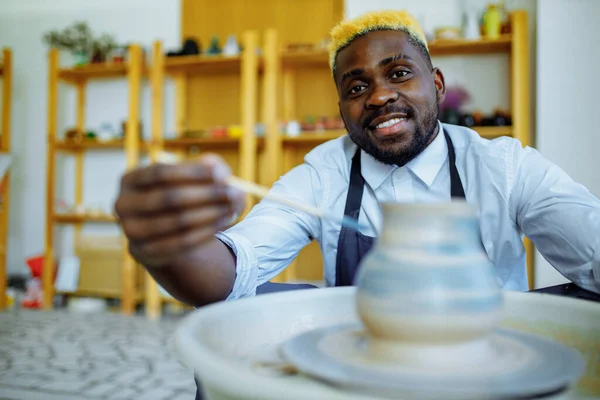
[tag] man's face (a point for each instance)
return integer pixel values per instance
(388, 96)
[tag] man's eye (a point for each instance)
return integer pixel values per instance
(399, 74)
(356, 89)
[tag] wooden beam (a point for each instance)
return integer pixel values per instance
(134, 76)
(7, 83)
(48, 271)
(157, 77)
(4, 237)
(79, 156)
(153, 296)
(521, 104)
(181, 104)
(5, 126)
(269, 108)
(249, 84)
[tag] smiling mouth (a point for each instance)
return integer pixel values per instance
(390, 127)
(390, 123)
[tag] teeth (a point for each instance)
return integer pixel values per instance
(389, 123)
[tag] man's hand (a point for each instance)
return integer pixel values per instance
(168, 211)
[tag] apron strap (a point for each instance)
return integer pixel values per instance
(456, 187)
(355, 189)
(348, 252)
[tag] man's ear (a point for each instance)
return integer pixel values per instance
(440, 85)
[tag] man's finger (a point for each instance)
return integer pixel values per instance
(161, 200)
(144, 228)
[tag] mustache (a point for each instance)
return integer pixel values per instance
(392, 108)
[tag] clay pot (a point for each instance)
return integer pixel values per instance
(428, 279)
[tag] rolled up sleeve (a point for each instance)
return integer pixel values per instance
(272, 234)
(560, 216)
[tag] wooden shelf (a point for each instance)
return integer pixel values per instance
(213, 143)
(462, 47)
(90, 144)
(202, 64)
(93, 71)
(492, 132)
(96, 145)
(312, 139)
(208, 142)
(79, 219)
(320, 57)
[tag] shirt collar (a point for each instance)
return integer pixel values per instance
(425, 166)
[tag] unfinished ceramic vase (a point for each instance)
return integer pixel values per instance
(428, 284)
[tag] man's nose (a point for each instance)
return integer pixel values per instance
(381, 94)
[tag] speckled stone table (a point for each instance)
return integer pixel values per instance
(59, 355)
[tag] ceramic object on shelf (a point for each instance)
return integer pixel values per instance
(235, 131)
(492, 22)
(106, 132)
(293, 129)
(214, 47)
(471, 27)
(448, 33)
(218, 132)
(231, 47)
(259, 129)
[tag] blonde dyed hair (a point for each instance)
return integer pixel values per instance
(395, 20)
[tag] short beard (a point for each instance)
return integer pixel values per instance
(423, 136)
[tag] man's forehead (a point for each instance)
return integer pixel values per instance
(371, 48)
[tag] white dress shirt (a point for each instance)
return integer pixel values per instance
(515, 190)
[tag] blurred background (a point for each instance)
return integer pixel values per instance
(92, 88)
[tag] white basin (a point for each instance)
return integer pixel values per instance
(228, 344)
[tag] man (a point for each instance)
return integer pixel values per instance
(396, 150)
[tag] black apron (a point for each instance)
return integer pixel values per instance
(353, 245)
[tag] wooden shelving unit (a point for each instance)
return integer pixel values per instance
(132, 71)
(190, 73)
(515, 45)
(6, 74)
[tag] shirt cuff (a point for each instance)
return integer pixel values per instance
(246, 265)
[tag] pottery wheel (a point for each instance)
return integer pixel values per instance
(516, 365)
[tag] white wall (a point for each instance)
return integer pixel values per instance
(22, 25)
(568, 53)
